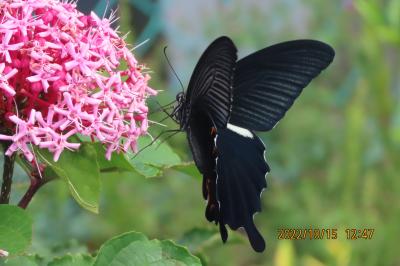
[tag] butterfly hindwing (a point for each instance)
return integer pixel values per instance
(241, 169)
(210, 87)
(201, 143)
(267, 82)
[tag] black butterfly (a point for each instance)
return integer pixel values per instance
(225, 102)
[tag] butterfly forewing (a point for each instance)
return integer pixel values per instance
(209, 102)
(210, 87)
(267, 82)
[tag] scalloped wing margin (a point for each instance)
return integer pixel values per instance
(241, 169)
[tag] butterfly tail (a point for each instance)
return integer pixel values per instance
(255, 238)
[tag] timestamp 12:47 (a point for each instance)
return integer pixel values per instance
(353, 233)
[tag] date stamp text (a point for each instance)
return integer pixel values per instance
(324, 233)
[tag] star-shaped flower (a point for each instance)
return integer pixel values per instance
(6, 47)
(4, 77)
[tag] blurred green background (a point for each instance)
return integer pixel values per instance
(334, 158)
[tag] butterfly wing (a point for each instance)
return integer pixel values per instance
(267, 82)
(209, 101)
(209, 98)
(241, 169)
(201, 134)
(210, 87)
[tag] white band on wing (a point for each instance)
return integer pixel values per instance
(241, 131)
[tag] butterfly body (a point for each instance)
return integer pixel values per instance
(225, 103)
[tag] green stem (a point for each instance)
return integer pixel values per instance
(8, 170)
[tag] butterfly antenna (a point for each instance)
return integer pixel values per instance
(155, 139)
(164, 110)
(173, 70)
(162, 120)
(162, 107)
(172, 115)
(158, 109)
(167, 138)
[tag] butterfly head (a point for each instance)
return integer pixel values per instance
(180, 97)
(179, 114)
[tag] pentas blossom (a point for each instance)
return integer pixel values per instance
(61, 75)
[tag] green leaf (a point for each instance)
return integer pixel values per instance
(136, 249)
(147, 170)
(188, 168)
(198, 238)
(118, 160)
(174, 253)
(73, 260)
(150, 161)
(15, 229)
(157, 154)
(23, 261)
(80, 170)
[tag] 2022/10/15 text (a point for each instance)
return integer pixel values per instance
(323, 233)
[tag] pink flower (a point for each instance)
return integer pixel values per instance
(6, 47)
(59, 142)
(74, 114)
(62, 70)
(45, 73)
(4, 85)
(22, 24)
(26, 131)
(81, 59)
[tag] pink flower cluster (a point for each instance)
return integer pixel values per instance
(63, 73)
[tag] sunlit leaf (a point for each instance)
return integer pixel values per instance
(15, 229)
(136, 249)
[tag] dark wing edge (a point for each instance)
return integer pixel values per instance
(210, 87)
(241, 179)
(267, 82)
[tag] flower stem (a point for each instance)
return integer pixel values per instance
(36, 183)
(8, 170)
